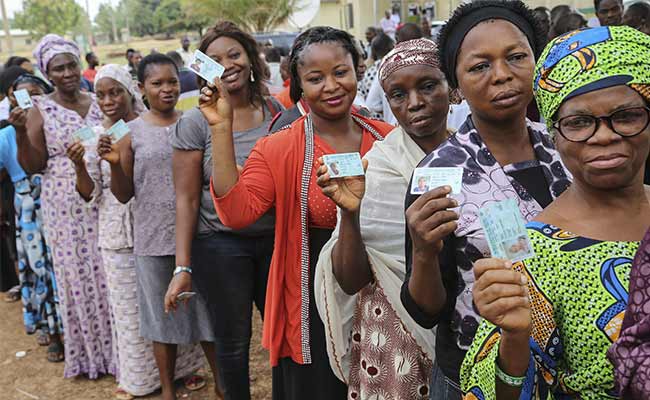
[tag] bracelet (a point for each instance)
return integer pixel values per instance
(512, 381)
(180, 268)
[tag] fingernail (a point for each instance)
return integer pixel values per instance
(455, 203)
(524, 280)
(447, 188)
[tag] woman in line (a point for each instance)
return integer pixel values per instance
(281, 172)
(236, 262)
(141, 169)
(360, 270)
(71, 226)
(381, 45)
(36, 272)
(119, 99)
(637, 16)
(503, 156)
(549, 320)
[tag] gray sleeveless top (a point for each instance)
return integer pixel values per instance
(154, 211)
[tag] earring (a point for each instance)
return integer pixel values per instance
(252, 76)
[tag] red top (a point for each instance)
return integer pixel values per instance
(272, 176)
(90, 74)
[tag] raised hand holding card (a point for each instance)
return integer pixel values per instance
(23, 99)
(343, 164)
(505, 231)
(118, 130)
(206, 67)
(84, 134)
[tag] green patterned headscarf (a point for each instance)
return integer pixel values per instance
(591, 59)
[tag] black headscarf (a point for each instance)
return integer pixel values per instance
(469, 15)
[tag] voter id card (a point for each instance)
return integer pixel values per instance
(206, 67)
(425, 179)
(118, 130)
(84, 134)
(343, 164)
(505, 231)
(23, 99)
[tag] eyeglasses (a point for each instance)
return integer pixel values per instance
(627, 122)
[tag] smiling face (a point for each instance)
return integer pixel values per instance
(419, 98)
(328, 79)
(606, 160)
(232, 55)
(113, 99)
(65, 72)
(161, 87)
(495, 76)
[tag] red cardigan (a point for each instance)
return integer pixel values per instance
(273, 176)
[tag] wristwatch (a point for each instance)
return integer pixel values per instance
(182, 268)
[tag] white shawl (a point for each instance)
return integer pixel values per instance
(390, 165)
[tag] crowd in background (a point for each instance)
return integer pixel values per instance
(144, 256)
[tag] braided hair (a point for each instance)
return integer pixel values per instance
(315, 35)
(231, 30)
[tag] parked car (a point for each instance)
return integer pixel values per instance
(281, 40)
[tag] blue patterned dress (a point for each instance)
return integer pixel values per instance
(36, 273)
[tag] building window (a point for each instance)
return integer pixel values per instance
(349, 16)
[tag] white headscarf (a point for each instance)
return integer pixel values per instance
(123, 77)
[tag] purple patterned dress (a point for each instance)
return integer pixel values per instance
(71, 229)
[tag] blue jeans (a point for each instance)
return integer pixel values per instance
(236, 270)
(443, 388)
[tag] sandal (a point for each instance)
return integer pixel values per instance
(42, 338)
(55, 352)
(13, 295)
(121, 394)
(194, 382)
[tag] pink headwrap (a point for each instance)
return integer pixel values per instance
(411, 52)
(52, 45)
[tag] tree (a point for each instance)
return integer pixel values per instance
(104, 21)
(41, 17)
(141, 16)
(252, 15)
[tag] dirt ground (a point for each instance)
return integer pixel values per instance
(33, 378)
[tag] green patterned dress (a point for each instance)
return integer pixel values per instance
(578, 292)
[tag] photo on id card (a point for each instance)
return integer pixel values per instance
(425, 179)
(505, 231)
(23, 99)
(343, 164)
(205, 67)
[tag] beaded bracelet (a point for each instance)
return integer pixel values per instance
(513, 381)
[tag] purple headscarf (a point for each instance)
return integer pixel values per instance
(50, 46)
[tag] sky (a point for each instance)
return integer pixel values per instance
(17, 5)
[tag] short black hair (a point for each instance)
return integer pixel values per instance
(316, 35)
(408, 31)
(640, 9)
(89, 56)
(178, 60)
(560, 10)
(563, 23)
(153, 59)
(129, 52)
(541, 9)
(16, 61)
(597, 4)
(9, 76)
(381, 45)
(516, 6)
(273, 55)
